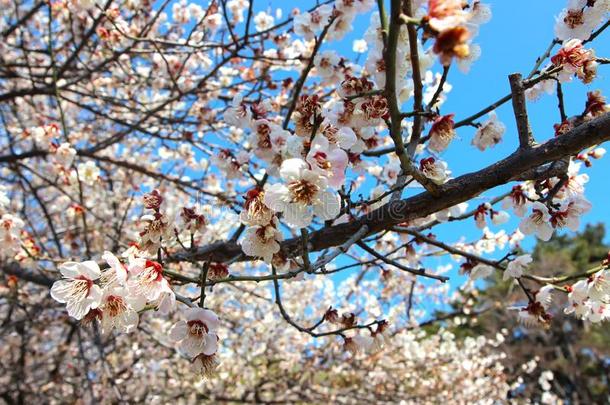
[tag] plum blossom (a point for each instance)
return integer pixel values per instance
(77, 289)
(120, 309)
(197, 334)
(516, 267)
(489, 133)
(599, 286)
(64, 155)
(517, 200)
(88, 172)
(309, 24)
(535, 313)
(578, 294)
(147, 280)
(595, 106)
(327, 63)
(539, 222)
(230, 163)
(262, 240)
(359, 46)
(579, 19)
(10, 233)
(263, 21)
(569, 214)
(302, 194)
(441, 133)
(156, 229)
(239, 114)
(327, 160)
(204, 365)
(357, 344)
(255, 211)
(575, 59)
(435, 170)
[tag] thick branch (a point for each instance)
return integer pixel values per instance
(453, 192)
(526, 138)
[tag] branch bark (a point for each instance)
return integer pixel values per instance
(526, 138)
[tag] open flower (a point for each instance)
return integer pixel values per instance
(255, 211)
(599, 286)
(88, 172)
(435, 170)
(64, 155)
(578, 294)
(357, 344)
(328, 160)
(489, 134)
(262, 241)
(539, 222)
(517, 200)
(575, 59)
(120, 310)
(303, 194)
(441, 133)
(77, 289)
(10, 233)
(197, 334)
(579, 19)
(239, 114)
(516, 267)
(156, 228)
(147, 280)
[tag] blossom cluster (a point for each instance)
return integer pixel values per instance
(230, 158)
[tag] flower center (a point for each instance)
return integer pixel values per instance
(537, 217)
(115, 305)
(321, 161)
(303, 191)
(558, 219)
(81, 287)
(197, 328)
(574, 18)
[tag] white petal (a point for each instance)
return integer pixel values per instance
(95, 296)
(527, 226)
(194, 314)
(347, 137)
(137, 303)
(544, 232)
(131, 321)
(211, 320)
(291, 169)
(210, 345)
(276, 196)
(61, 290)
(329, 205)
(192, 346)
(178, 331)
(69, 269)
(297, 215)
(90, 269)
(78, 309)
